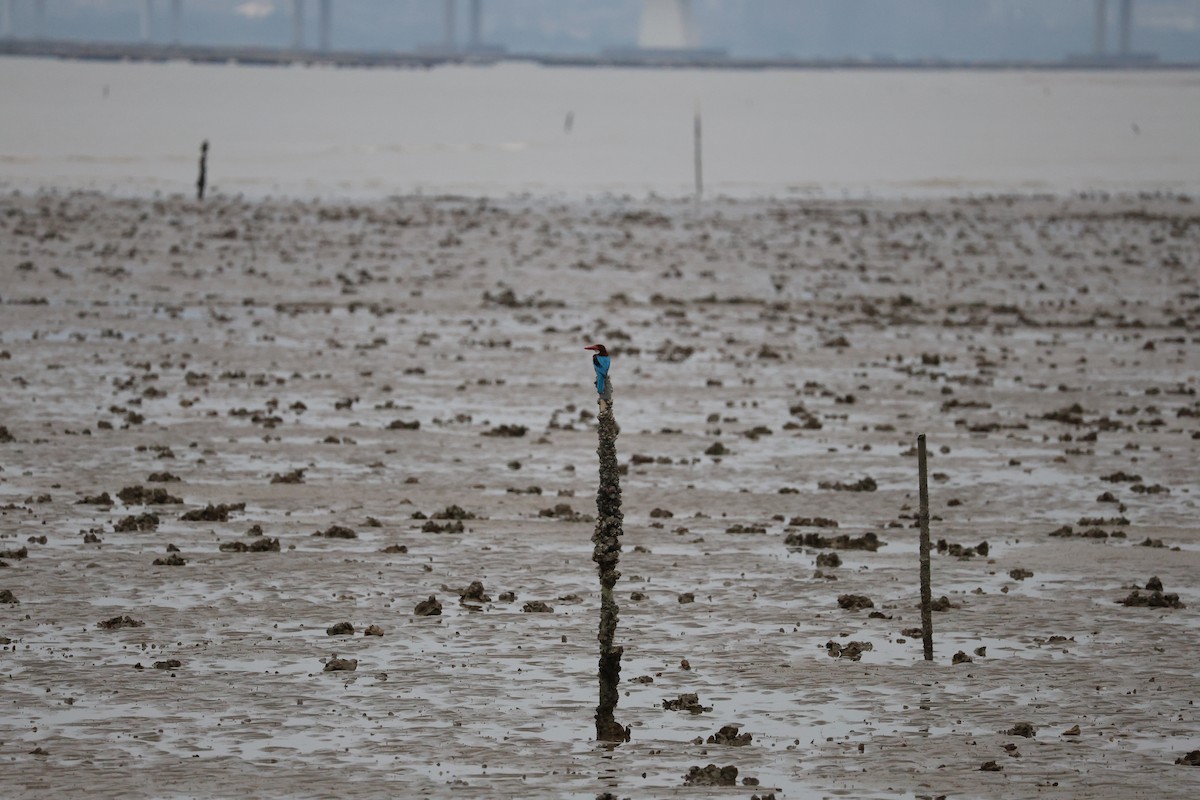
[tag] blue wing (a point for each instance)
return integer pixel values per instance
(601, 364)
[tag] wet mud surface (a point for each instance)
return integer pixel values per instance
(248, 451)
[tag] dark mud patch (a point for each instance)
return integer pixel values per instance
(711, 775)
(141, 496)
(867, 484)
(854, 602)
(428, 608)
(212, 513)
(869, 541)
(730, 735)
(688, 701)
(850, 650)
(261, 545)
(143, 523)
(337, 532)
(117, 623)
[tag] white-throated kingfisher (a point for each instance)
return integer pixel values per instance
(600, 362)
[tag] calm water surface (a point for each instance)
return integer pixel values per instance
(309, 131)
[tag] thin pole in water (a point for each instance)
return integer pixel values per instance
(923, 517)
(699, 161)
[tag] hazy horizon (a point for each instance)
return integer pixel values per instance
(901, 29)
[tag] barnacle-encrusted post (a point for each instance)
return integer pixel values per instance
(606, 554)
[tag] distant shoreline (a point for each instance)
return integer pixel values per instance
(651, 59)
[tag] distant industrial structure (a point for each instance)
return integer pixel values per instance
(667, 36)
(1124, 55)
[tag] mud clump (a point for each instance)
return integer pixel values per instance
(1020, 574)
(212, 513)
(15, 555)
(340, 629)
(116, 623)
(453, 512)
(171, 663)
(855, 602)
(263, 545)
(102, 499)
(295, 476)
(961, 658)
(142, 522)
(428, 608)
(867, 484)
(1192, 759)
(1136, 599)
(829, 560)
(564, 512)
(850, 650)
(141, 496)
(163, 477)
(336, 664)
(453, 526)
(337, 532)
(514, 431)
(1021, 729)
(961, 551)
(537, 607)
(6, 596)
(712, 775)
(812, 522)
(728, 735)
(395, 548)
(373, 630)
(991, 766)
(689, 701)
(869, 541)
(173, 560)
(943, 604)
(473, 593)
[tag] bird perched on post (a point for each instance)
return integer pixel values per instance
(601, 361)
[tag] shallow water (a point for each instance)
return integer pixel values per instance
(326, 132)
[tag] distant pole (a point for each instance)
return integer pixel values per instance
(449, 11)
(1100, 36)
(297, 24)
(147, 19)
(699, 163)
(176, 13)
(1126, 26)
(475, 18)
(923, 518)
(203, 179)
(325, 25)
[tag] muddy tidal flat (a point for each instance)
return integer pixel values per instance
(296, 499)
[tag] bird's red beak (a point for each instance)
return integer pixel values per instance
(592, 347)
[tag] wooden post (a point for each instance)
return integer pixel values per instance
(606, 554)
(699, 162)
(202, 180)
(923, 517)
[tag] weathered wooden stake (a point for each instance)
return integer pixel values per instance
(202, 180)
(699, 162)
(923, 517)
(606, 554)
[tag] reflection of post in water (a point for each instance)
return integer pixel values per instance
(923, 518)
(200, 181)
(606, 553)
